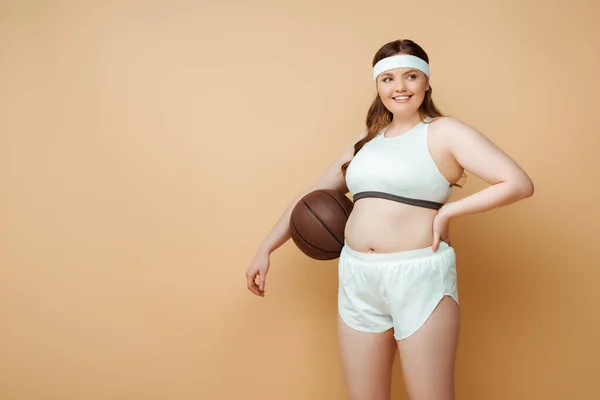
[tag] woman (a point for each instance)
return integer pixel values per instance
(397, 269)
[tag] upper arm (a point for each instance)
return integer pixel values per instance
(332, 177)
(477, 154)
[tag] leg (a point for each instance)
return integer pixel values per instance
(366, 362)
(428, 355)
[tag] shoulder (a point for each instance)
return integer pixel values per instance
(469, 146)
(362, 134)
(446, 123)
(449, 129)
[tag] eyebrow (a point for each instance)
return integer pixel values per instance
(390, 74)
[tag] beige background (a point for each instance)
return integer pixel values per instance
(147, 148)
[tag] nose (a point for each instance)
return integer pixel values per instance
(400, 86)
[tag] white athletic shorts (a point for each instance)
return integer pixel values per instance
(379, 291)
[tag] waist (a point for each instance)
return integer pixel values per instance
(397, 255)
(384, 226)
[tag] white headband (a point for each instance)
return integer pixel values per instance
(400, 61)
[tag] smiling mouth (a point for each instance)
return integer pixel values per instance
(400, 99)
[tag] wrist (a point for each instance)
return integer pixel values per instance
(446, 212)
(263, 251)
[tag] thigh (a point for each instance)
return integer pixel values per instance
(367, 360)
(428, 355)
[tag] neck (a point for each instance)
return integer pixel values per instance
(404, 122)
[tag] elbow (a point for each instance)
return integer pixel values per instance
(525, 188)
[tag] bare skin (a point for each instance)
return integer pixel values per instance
(383, 226)
(427, 358)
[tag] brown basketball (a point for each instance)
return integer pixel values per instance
(318, 221)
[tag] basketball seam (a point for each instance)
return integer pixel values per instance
(322, 223)
(308, 243)
(341, 206)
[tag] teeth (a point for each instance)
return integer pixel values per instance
(401, 98)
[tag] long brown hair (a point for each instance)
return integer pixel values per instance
(378, 116)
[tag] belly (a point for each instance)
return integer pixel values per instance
(384, 226)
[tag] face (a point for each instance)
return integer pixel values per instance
(402, 90)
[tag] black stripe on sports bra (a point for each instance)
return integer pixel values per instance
(406, 200)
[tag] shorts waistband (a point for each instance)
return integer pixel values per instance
(396, 256)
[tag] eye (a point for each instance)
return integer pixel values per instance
(413, 76)
(385, 79)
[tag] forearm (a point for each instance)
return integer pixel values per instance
(281, 231)
(498, 195)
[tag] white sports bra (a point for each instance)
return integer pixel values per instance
(399, 168)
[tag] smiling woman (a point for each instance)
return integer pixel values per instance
(397, 269)
(409, 84)
(405, 89)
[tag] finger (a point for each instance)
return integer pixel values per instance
(436, 243)
(250, 279)
(256, 291)
(252, 284)
(261, 281)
